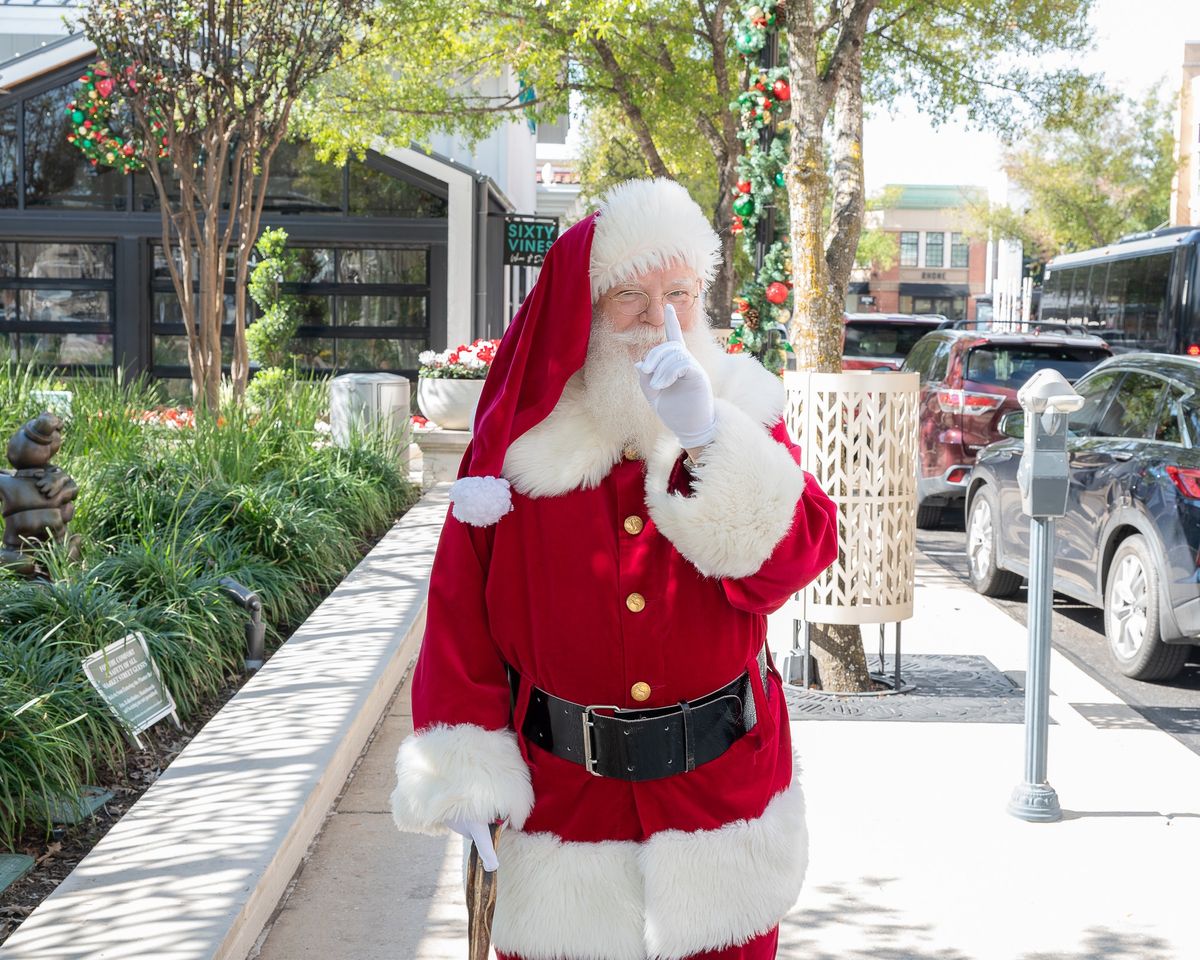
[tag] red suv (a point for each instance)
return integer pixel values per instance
(969, 380)
(882, 340)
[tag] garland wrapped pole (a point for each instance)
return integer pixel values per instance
(209, 85)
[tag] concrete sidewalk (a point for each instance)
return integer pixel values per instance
(913, 856)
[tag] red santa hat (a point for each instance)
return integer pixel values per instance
(640, 225)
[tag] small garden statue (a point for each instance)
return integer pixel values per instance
(36, 498)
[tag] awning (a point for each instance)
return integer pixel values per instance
(934, 290)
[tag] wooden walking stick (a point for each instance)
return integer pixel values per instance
(481, 901)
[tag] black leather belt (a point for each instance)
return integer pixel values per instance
(642, 744)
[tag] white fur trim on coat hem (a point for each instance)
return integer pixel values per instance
(676, 894)
(480, 501)
(463, 771)
(743, 501)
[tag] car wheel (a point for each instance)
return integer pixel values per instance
(1131, 621)
(929, 516)
(982, 543)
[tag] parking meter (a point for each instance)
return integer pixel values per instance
(1042, 476)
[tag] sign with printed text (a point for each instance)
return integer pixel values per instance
(127, 678)
(526, 239)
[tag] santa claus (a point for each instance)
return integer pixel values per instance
(594, 669)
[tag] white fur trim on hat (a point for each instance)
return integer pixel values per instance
(648, 224)
(480, 501)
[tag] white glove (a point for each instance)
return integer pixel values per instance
(677, 387)
(478, 833)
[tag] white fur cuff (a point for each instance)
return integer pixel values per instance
(480, 501)
(743, 501)
(462, 771)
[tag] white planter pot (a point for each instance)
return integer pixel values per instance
(449, 403)
(858, 436)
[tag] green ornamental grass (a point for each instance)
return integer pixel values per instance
(166, 510)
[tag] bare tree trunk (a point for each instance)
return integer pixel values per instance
(819, 267)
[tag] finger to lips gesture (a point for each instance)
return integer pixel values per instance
(669, 360)
(677, 387)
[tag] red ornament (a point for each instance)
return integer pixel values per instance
(738, 226)
(744, 186)
(781, 90)
(767, 104)
(777, 292)
(760, 87)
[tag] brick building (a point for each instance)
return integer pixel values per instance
(939, 269)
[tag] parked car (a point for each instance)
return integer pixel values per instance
(882, 340)
(969, 380)
(1130, 540)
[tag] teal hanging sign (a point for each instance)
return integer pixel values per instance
(526, 239)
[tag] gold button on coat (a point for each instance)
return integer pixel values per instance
(631, 453)
(640, 691)
(634, 524)
(635, 602)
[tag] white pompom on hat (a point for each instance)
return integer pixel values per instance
(646, 225)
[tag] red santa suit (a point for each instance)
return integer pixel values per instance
(607, 574)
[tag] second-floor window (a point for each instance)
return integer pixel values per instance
(935, 249)
(908, 248)
(958, 250)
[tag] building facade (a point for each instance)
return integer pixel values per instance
(401, 252)
(939, 268)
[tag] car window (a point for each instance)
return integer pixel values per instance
(1169, 428)
(1134, 409)
(941, 362)
(881, 339)
(1003, 365)
(918, 359)
(1095, 392)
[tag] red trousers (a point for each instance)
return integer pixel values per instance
(760, 948)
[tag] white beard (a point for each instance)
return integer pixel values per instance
(612, 392)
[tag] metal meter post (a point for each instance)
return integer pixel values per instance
(1043, 477)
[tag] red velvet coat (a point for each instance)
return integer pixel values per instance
(592, 867)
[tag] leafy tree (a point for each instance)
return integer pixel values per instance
(981, 57)
(1104, 173)
(662, 72)
(215, 82)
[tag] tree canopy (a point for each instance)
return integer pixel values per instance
(1105, 173)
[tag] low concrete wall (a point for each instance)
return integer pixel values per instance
(195, 868)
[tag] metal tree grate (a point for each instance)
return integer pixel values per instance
(947, 688)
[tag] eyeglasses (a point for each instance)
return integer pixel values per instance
(630, 303)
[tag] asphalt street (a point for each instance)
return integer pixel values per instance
(1078, 633)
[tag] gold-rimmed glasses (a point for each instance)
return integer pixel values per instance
(631, 303)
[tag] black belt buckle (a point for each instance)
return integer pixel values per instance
(589, 759)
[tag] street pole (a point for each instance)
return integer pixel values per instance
(1035, 799)
(1043, 478)
(764, 232)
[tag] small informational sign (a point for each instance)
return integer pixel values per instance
(526, 239)
(127, 678)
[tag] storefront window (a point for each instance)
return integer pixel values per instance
(56, 174)
(374, 193)
(8, 157)
(56, 302)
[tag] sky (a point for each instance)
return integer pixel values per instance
(1137, 42)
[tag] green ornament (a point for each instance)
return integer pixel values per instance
(779, 178)
(77, 116)
(748, 40)
(743, 206)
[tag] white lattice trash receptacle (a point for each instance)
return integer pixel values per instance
(858, 436)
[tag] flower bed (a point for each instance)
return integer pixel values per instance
(169, 504)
